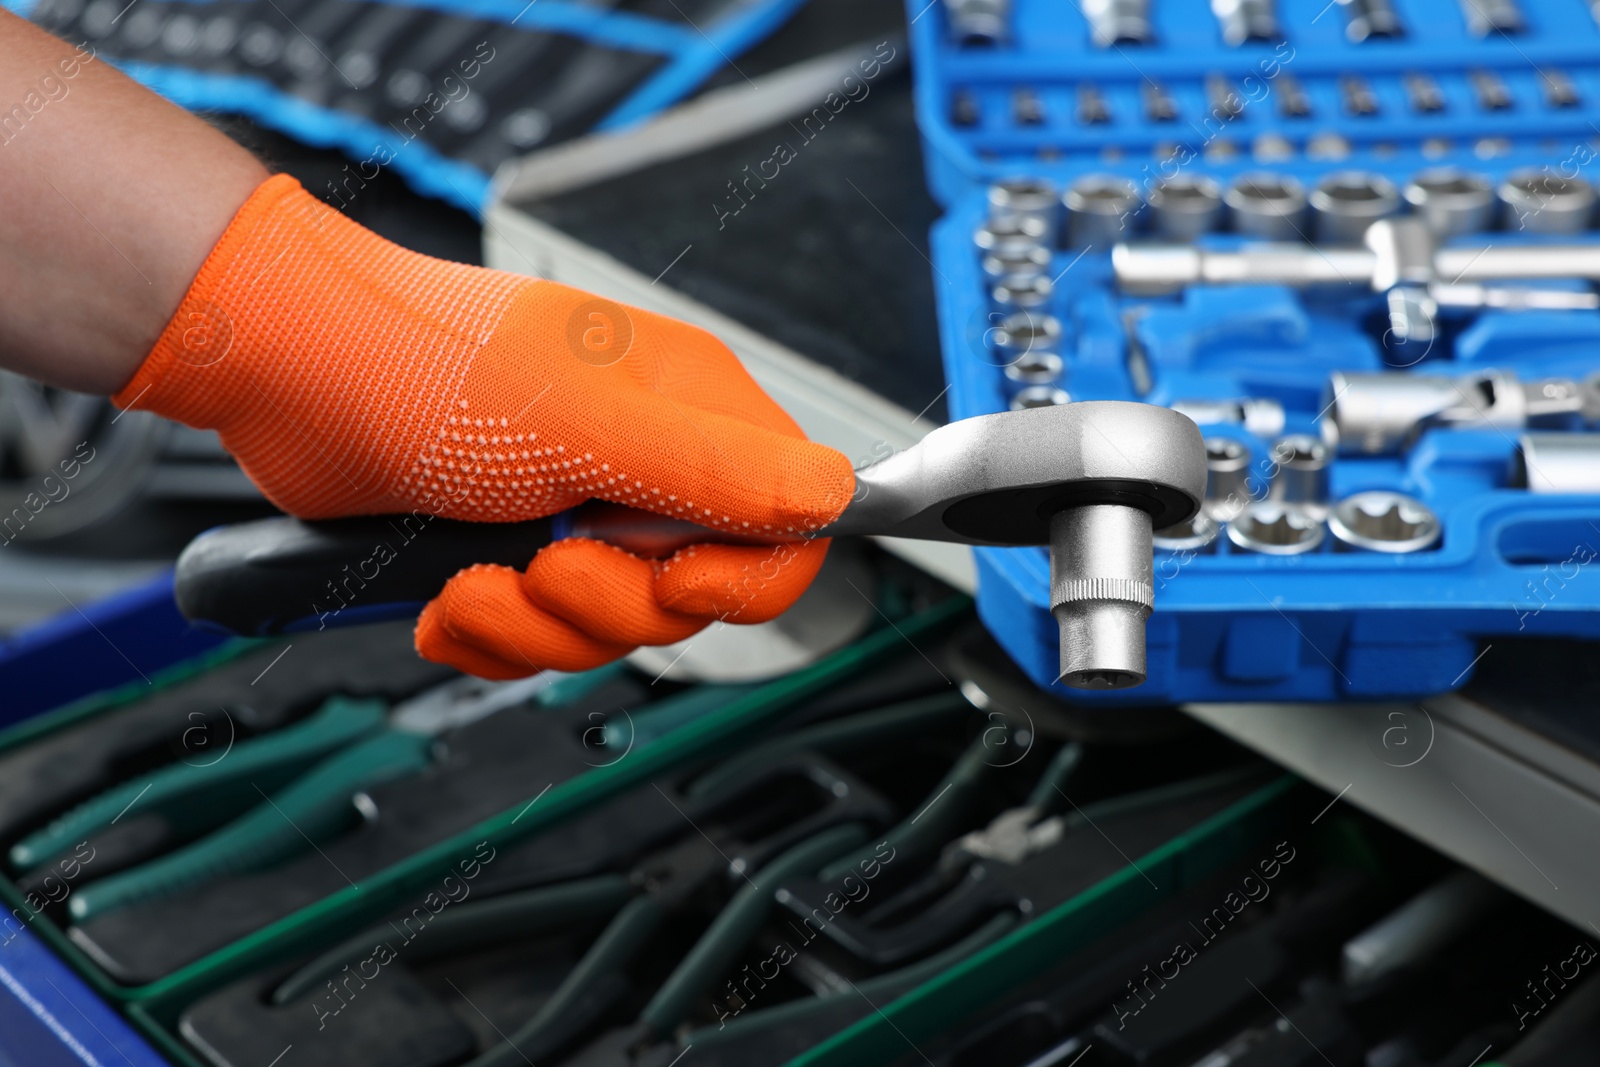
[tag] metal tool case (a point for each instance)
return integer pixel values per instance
(1056, 132)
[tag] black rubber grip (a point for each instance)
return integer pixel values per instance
(287, 576)
(284, 575)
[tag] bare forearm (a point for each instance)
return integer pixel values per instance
(113, 199)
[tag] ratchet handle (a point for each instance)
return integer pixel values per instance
(268, 760)
(287, 575)
(313, 809)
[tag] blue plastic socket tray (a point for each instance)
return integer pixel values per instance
(1232, 625)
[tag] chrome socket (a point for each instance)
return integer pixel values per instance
(1486, 17)
(1184, 207)
(1011, 232)
(1269, 528)
(1021, 290)
(1367, 19)
(1035, 368)
(1013, 260)
(1377, 414)
(1114, 22)
(1258, 415)
(1558, 463)
(1101, 209)
(1199, 534)
(1540, 202)
(1382, 521)
(979, 23)
(1300, 472)
(1227, 478)
(1451, 201)
(1269, 206)
(1346, 202)
(1040, 396)
(1027, 331)
(1247, 20)
(1102, 587)
(1024, 198)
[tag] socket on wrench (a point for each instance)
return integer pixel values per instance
(1378, 414)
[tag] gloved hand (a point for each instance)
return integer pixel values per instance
(349, 376)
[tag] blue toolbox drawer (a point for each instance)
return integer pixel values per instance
(1330, 366)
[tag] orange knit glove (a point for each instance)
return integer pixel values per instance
(351, 377)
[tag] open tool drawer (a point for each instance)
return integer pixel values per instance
(1140, 136)
(153, 955)
(869, 770)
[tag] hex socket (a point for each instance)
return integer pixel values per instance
(1186, 206)
(1035, 368)
(978, 23)
(1102, 587)
(1451, 201)
(1023, 197)
(1381, 521)
(1027, 331)
(1196, 534)
(1101, 209)
(1011, 232)
(1227, 477)
(1540, 202)
(1030, 259)
(1040, 396)
(1270, 528)
(1265, 205)
(1022, 291)
(1301, 474)
(1346, 202)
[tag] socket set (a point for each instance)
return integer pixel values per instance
(443, 92)
(1381, 314)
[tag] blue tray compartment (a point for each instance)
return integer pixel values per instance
(1328, 625)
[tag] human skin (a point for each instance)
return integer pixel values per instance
(114, 198)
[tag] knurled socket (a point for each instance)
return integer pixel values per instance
(1102, 588)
